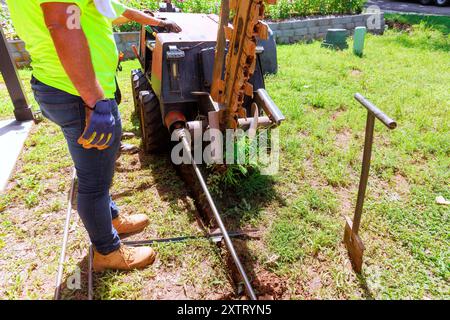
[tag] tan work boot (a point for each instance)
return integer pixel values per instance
(130, 224)
(124, 258)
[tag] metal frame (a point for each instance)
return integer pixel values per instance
(352, 240)
(22, 109)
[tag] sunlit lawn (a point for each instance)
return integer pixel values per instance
(405, 232)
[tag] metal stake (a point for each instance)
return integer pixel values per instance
(214, 237)
(62, 257)
(228, 243)
(352, 240)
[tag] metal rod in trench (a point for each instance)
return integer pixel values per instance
(228, 243)
(212, 236)
(62, 257)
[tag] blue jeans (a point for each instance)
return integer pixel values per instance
(95, 169)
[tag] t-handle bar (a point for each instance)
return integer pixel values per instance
(380, 115)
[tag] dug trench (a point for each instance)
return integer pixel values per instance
(161, 283)
(267, 286)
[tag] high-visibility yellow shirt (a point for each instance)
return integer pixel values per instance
(28, 20)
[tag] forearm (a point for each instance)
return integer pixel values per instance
(141, 17)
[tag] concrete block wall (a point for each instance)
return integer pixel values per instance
(124, 42)
(287, 32)
(19, 54)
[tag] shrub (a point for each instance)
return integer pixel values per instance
(193, 6)
(146, 4)
(286, 9)
(282, 10)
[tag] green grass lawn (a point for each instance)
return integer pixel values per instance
(405, 232)
(405, 73)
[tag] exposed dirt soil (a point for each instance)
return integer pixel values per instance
(399, 26)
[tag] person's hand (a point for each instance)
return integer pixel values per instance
(100, 123)
(170, 26)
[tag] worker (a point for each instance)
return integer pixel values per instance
(74, 59)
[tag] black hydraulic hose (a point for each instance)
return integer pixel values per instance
(228, 243)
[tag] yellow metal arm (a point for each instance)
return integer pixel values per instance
(241, 58)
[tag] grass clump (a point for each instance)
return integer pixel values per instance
(245, 175)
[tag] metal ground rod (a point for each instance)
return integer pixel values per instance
(228, 243)
(62, 257)
(212, 236)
